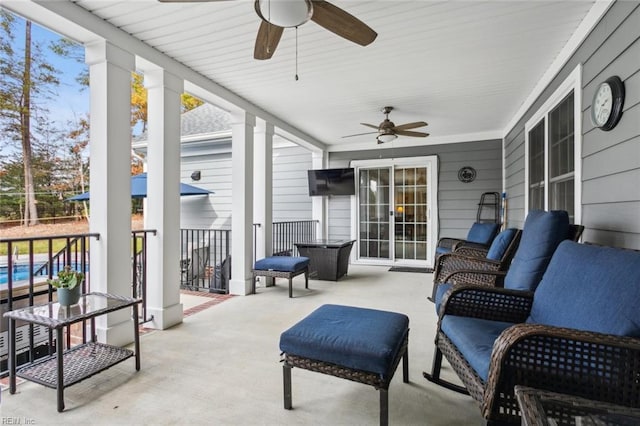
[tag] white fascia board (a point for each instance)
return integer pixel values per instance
(406, 142)
(594, 15)
(73, 21)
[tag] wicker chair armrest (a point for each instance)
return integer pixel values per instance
(449, 263)
(448, 242)
(486, 277)
(491, 303)
(467, 244)
(596, 366)
(465, 250)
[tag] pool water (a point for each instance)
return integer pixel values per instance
(21, 271)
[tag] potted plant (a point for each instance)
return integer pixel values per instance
(68, 285)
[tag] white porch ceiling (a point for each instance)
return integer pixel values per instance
(465, 67)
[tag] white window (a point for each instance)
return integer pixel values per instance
(552, 151)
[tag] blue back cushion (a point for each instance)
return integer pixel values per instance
(500, 244)
(542, 233)
(590, 288)
(482, 233)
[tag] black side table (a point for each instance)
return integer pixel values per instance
(328, 259)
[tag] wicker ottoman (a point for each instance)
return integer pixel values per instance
(363, 345)
(281, 267)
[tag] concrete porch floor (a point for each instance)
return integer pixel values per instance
(221, 366)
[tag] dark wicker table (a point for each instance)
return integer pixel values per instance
(68, 367)
(542, 408)
(328, 259)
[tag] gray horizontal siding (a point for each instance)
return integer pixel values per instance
(457, 201)
(290, 192)
(610, 160)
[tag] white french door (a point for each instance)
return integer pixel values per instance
(396, 211)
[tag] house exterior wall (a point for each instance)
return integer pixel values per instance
(610, 160)
(290, 193)
(457, 201)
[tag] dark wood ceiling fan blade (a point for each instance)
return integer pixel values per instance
(414, 134)
(267, 40)
(342, 23)
(408, 126)
(370, 125)
(359, 134)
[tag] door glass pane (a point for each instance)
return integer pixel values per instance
(410, 196)
(374, 213)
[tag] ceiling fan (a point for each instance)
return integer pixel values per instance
(388, 131)
(277, 15)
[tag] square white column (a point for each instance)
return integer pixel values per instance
(242, 124)
(162, 209)
(110, 178)
(263, 189)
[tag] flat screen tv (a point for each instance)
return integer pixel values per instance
(332, 182)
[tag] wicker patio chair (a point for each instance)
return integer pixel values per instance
(480, 235)
(496, 258)
(542, 233)
(580, 335)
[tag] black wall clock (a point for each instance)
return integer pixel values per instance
(608, 100)
(467, 174)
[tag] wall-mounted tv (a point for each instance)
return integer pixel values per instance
(332, 182)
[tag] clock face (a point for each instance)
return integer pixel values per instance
(602, 105)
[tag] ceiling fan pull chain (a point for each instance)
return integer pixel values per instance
(296, 53)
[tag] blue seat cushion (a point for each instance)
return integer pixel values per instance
(501, 243)
(474, 337)
(482, 233)
(541, 234)
(356, 338)
(282, 263)
(440, 291)
(590, 288)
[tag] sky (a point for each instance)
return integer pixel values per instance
(71, 100)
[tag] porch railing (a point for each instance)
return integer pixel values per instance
(24, 283)
(205, 259)
(286, 234)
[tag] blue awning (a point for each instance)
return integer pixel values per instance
(139, 189)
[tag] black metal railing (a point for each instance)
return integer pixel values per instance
(205, 259)
(286, 234)
(24, 283)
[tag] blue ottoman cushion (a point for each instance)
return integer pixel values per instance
(282, 263)
(356, 338)
(474, 338)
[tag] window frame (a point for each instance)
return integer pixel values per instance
(573, 82)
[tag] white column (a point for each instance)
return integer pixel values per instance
(110, 91)
(319, 205)
(162, 211)
(242, 124)
(263, 189)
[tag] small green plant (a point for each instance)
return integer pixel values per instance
(67, 278)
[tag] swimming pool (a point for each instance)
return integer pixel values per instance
(21, 271)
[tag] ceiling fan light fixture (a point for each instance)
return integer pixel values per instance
(285, 13)
(386, 137)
